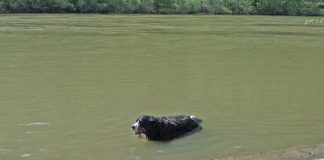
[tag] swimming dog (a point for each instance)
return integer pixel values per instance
(165, 128)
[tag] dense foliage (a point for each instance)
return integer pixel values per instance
(255, 7)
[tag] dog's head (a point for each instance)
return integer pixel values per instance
(144, 125)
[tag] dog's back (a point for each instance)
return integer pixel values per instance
(175, 126)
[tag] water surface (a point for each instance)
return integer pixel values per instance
(71, 85)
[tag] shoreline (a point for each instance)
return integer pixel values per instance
(302, 152)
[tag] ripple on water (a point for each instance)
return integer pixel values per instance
(26, 155)
(4, 150)
(42, 150)
(35, 124)
(237, 147)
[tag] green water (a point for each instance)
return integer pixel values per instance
(71, 85)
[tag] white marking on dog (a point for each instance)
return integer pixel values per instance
(135, 127)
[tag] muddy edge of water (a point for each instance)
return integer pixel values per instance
(305, 152)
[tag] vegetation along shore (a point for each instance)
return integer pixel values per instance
(238, 7)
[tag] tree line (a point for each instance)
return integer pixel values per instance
(245, 7)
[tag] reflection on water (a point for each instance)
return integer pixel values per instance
(71, 90)
(134, 155)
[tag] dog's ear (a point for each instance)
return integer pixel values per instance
(152, 129)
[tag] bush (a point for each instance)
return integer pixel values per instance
(292, 8)
(105, 8)
(222, 10)
(309, 8)
(269, 7)
(2, 8)
(239, 6)
(286, 7)
(55, 6)
(142, 8)
(195, 6)
(182, 8)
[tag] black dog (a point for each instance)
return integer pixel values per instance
(165, 128)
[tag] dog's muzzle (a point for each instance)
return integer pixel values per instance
(135, 128)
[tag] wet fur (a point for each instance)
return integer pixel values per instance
(166, 128)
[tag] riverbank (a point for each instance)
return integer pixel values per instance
(305, 152)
